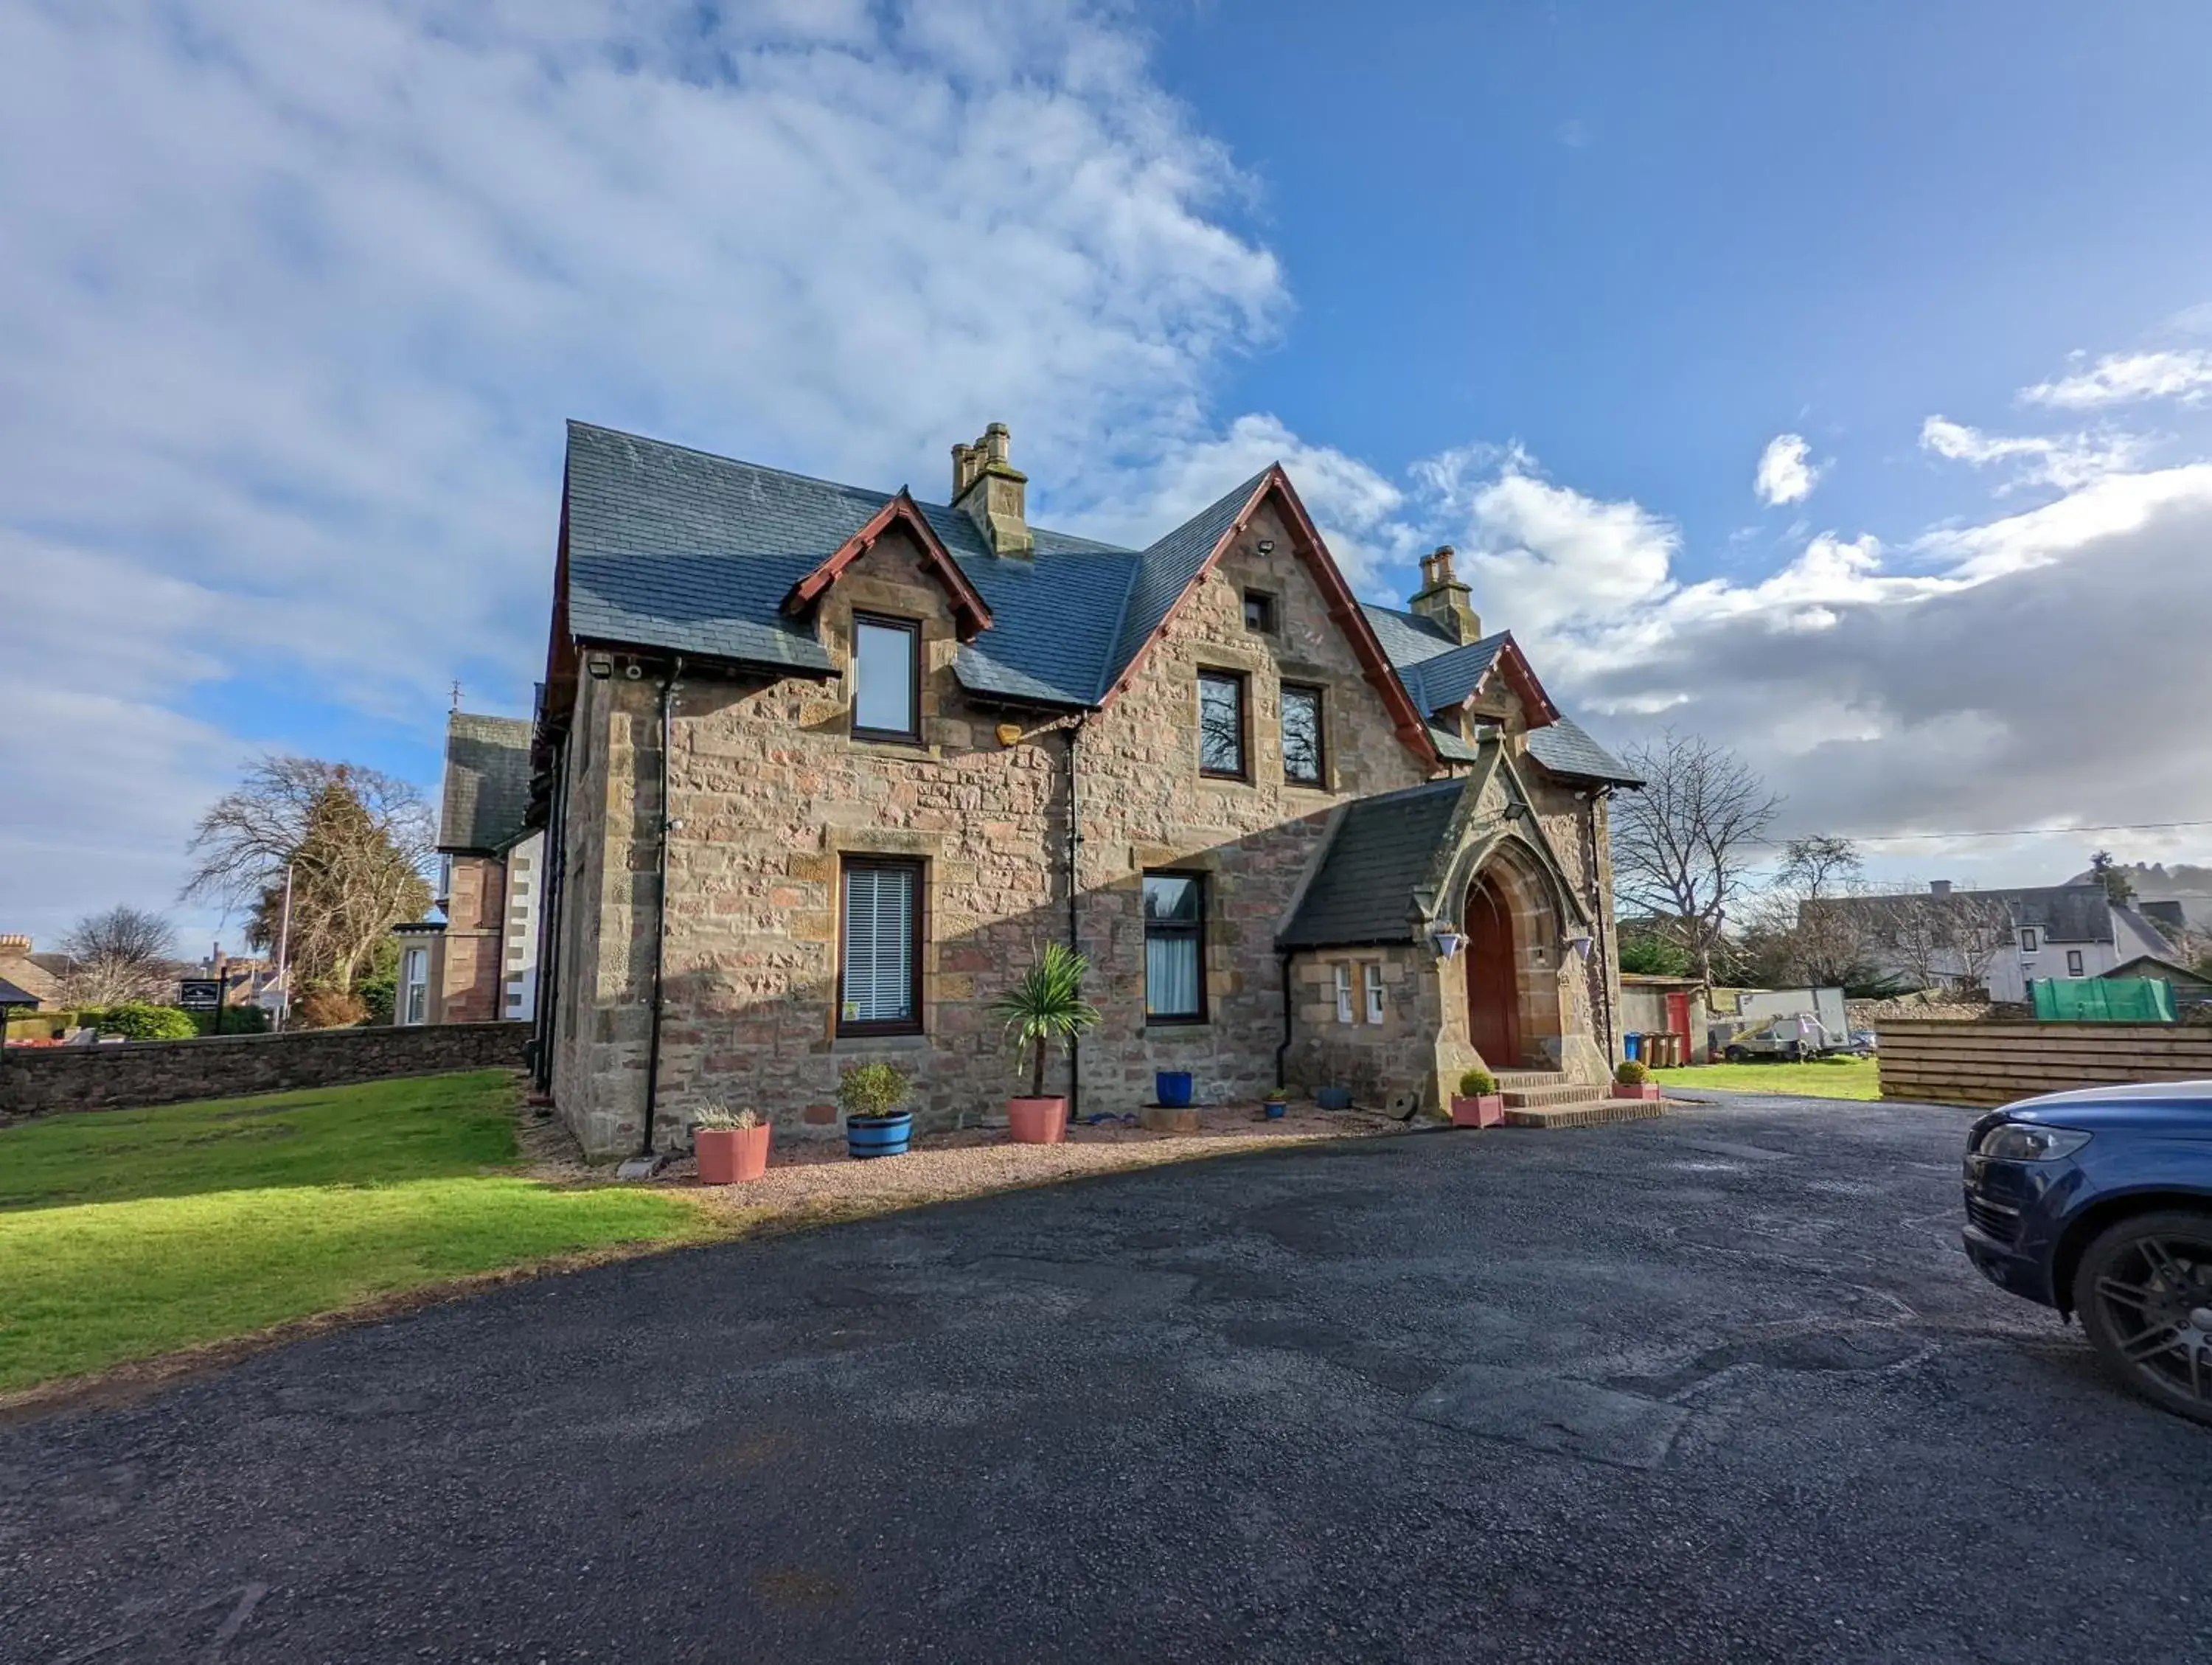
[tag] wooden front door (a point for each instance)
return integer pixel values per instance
(1493, 994)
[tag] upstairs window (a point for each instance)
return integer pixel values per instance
(879, 964)
(1175, 948)
(1302, 751)
(886, 679)
(1221, 724)
(1260, 611)
(2029, 940)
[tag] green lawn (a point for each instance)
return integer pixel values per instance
(1818, 1077)
(124, 1234)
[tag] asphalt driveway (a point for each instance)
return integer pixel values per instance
(1716, 1387)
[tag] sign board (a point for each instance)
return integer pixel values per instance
(199, 994)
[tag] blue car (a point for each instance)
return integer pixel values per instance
(2099, 1203)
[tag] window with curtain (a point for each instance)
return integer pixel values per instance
(1301, 735)
(886, 684)
(1175, 948)
(879, 959)
(1343, 993)
(1221, 724)
(415, 980)
(1372, 974)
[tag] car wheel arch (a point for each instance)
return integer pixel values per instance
(2100, 1216)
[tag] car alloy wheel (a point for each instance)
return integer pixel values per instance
(2144, 1291)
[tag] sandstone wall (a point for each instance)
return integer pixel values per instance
(37, 1081)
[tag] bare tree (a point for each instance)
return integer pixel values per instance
(1980, 926)
(1805, 927)
(355, 841)
(1682, 847)
(124, 954)
(1946, 939)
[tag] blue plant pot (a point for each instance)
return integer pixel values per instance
(1334, 1098)
(869, 1136)
(1275, 1112)
(1172, 1087)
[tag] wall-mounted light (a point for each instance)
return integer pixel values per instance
(1267, 546)
(1580, 942)
(1448, 939)
(600, 666)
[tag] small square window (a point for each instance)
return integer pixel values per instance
(1260, 611)
(1221, 724)
(1343, 993)
(1373, 975)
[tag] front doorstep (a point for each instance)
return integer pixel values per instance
(1595, 1113)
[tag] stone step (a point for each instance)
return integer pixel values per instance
(1598, 1114)
(1544, 1099)
(1513, 1080)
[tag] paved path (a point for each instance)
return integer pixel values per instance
(1715, 1387)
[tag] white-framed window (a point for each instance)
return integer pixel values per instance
(1372, 980)
(1343, 993)
(414, 987)
(2030, 940)
(2073, 961)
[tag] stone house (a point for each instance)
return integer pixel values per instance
(821, 769)
(479, 963)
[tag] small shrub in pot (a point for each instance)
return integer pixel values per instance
(873, 1098)
(1632, 1078)
(1478, 1103)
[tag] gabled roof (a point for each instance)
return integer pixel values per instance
(487, 789)
(11, 996)
(2063, 914)
(1382, 848)
(974, 612)
(2156, 965)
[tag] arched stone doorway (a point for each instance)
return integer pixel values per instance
(1493, 991)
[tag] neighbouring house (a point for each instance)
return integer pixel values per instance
(479, 963)
(19, 967)
(823, 768)
(1999, 939)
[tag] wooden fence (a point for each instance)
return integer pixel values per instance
(1937, 1063)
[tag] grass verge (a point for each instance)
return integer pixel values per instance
(1816, 1078)
(125, 1234)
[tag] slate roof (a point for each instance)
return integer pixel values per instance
(11, 996)
(487, 782)
(2061, 913)
(1383, 848)
(673, 548)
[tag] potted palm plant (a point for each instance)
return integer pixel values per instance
(1046, 1005)
(1478, 1103)
(1632, 1079)
(873, 1098)
(731, 1145)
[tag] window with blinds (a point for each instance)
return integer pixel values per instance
(878, 988)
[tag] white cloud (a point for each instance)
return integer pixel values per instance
(1786, 471)
(2125, 378)
(295, 297)
(2067, 462)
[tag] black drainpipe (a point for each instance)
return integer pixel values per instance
(659, 909)
(1074, 938)
(551, 902)
(1282, 1052)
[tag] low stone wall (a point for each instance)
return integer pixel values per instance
(1939, 1062)
(40, 1080)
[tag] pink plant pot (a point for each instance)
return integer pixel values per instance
(1036, 1121)
(1645, 1089)
(728, 1155)
(1486, 1111)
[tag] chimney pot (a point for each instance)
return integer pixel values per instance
(1939, 887)
(993, 492)
(1444, 599)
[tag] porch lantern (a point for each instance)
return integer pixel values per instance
(1580, 942)
(1448, 939)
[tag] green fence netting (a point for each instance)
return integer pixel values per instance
(2104, 1000)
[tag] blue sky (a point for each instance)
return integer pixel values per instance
(295, 295)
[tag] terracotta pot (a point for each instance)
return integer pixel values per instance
(1647, 1090)
(1486, 1111)
(727, 1155)
(1036, 1121)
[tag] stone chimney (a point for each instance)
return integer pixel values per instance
(14, 948)
(1939, 887)
(1443, 599)
(992, 493)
